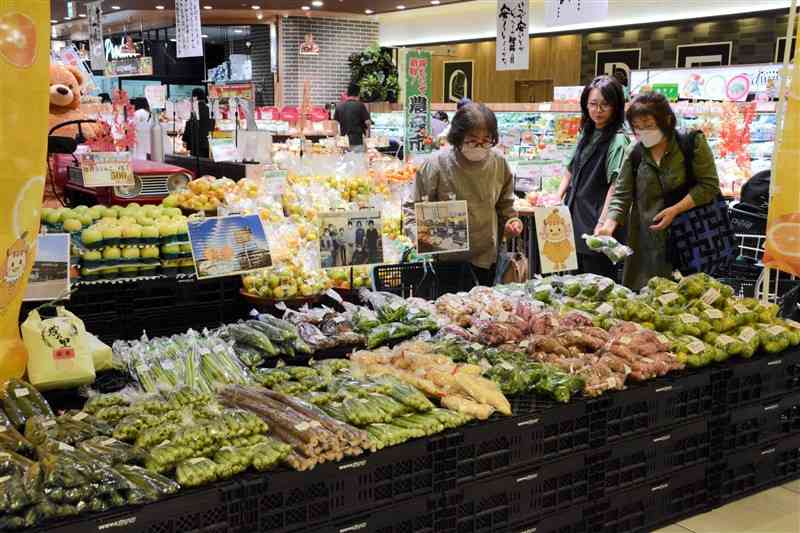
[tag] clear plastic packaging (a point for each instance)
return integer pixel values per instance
(609, 246)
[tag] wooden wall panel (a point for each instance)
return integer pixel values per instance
(556, 58)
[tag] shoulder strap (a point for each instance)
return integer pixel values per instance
(686, 142)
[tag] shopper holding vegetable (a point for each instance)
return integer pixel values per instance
(651, 173)
(472, 171)
(588, 184)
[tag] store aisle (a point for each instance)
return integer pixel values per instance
(773, 511)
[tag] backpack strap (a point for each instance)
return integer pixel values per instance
(686, 142)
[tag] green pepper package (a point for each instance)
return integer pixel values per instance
(609, 246)
(196, 472)
(59, 354)
(146, 486)
(21, 401)
(17, 491)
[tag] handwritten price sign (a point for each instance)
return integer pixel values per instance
(107, 169)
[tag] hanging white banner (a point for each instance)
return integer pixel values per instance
(188, 31)
(566, 12)
(512, 35)
(97, 51)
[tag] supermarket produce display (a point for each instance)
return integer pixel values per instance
(497, 384)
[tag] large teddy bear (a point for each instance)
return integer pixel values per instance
(65, 101)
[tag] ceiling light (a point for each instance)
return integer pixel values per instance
(82, 15)
(369, 11)
(259, 16)
(66, 19)
(401, 7)
(256, 7)
(317, 3)
(174, 40)
(116, 8)
(53, 21)
(436, 2)
(160, 8)
(205, 36)
(238, 31)
(208, 8)
(305, 8)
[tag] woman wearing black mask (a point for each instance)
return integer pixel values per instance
(588, 184)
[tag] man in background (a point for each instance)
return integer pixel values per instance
(353, 118)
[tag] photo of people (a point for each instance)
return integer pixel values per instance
(442, 227)
(350, 238)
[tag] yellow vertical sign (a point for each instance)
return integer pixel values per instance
(783, 226)
(24, 60)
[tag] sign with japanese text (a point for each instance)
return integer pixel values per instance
(245, 91)
(156, 96)
(97, 51)
(566, 12)
(134, 66)
(512, 35)
(107, 169)
(418, 86)
(188, 31)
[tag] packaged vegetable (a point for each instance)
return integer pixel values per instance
(114, 451)
(267, 455)
(146, 485)
(196, 472)
(21, 401)
(609, 246)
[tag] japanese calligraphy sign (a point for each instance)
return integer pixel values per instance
(512, 35)
(188, 32)
(97, 51)
(418, 86)
(566, 12)
(107, 169)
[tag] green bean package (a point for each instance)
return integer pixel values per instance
(146, 484)
(21, 401)
(11, 440)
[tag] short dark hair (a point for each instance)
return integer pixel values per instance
(140, 103)
(653, 105)
(105, 98)
(371, 223)
(441, 115)
(198, 93)
(353, 89)
(463, 103)
(470, 118)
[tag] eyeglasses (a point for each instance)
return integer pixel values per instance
(599, 107)
(478, 144)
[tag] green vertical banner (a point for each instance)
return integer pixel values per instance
(418, 74)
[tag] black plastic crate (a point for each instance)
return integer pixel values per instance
(541, 429)
(634, 461)
(638, 509)
(194, 511)
(739, 382)
(427, 514)
(177, 319)
(402, 278)
(288, 500)
(755, 424)
(748, 471)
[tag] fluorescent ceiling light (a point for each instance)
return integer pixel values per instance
(160, 8)
(401, 7)
(369, 11)
(317, 3)
(305, 8)
(208, 8)
(116, 8)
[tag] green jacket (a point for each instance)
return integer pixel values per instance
(638, 197)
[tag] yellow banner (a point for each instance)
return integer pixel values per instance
(24, 105)
(783, 226)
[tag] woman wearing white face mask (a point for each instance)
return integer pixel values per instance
(472, 171)
(645, 197)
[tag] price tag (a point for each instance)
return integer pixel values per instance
(109, 442)
(713, 314)
(747, 334)
(775, 330)
(315, 424)
(49, 423)
(4, 479)
(476, 346)
(302, 426)
(107, 169)
(80, 416)
(506, 366)
(696, 346)
(710, 296)
(21, 393)
(604, 309)
(686, 318)
(668, 298)
(334, 295)
(65, 447)
(741, 309)
(524, 344)
(724, 340)
(663, 339)
(625, 339)
(3, 429)
(195, 460)
(793, 324)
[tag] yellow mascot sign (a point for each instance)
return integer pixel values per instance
(783, 227)
(24, 61)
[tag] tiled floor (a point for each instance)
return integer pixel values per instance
(773, 511)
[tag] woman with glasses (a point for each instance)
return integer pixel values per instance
(472, 171)
(660, 170)
(588, 184)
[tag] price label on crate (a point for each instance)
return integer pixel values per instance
(107, 169)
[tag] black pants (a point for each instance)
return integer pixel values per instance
(596, 263)
(450, 282)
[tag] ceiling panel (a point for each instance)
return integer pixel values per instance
(59, 7)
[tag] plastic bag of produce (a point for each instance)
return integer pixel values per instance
(113, 451)
(609, 246)
(101, 353)
(196, 471)
(59, 355)
(146, 486)
(267, 455)
(21, 401)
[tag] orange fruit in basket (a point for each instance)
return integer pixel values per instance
(18, 43)
(782, 249)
